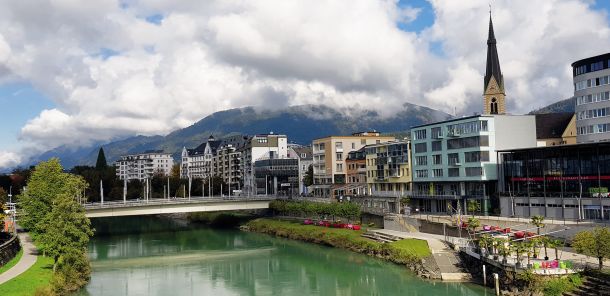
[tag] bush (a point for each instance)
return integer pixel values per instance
(559, 286)
(308, 208)
(73, 272)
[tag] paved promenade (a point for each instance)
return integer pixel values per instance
(27, 260)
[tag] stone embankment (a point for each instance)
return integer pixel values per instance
(9, 248)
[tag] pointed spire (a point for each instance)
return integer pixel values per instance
(493, 62)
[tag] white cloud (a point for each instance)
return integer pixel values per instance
(213, 55)
(9, 159)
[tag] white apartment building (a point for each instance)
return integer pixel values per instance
(144, 165)
(455, 160)
(305, 159)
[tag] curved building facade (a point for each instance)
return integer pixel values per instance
(592, 92)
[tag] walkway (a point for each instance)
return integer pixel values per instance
(27, 260)
(445, 258)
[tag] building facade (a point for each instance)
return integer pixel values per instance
(329, 156)
(305, 158)
(562, 182)
(554, 129)
(144, 165)
(455, 160)
(356, 172)
(592, 92)
(388, 169)
(277, 176)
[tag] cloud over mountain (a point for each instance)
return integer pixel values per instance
(148, 67)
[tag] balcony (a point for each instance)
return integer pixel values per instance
(391, 193)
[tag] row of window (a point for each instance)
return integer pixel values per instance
(593, 113)
(520, 204)
(453, 158)
(451, 172)
(470, 127)
(593, 82)
(593, 98)
(590, 67)
(593, 129)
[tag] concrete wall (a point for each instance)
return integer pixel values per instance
(9, 249)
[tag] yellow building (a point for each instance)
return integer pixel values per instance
(554, 129)
(329, 156)
(388, 167)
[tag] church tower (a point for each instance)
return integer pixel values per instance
(493, 93)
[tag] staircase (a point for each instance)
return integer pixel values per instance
(381, 237)
(397, 223)
(592, 286)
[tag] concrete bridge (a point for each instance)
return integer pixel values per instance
(175, 205)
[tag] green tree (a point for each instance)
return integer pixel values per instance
(101, 163)
(308, 178)
(473, 206)
(3, 196)
(66, 229)
(595, 243)
(473, 223)
(46, 183)
(538, 222)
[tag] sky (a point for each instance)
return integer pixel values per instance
(73, 73)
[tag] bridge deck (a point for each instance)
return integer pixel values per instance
(175, 205)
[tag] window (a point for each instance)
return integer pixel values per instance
(453, 172)
(339, 156)
(476, 156)
(597, 66)
(339, 145)
(420, 148)
(453, 158)
(436, 132)
(469, 142)
(473, 172)
(262, 140)
(421, 173)
(437, 146)
(363, 142)
(471, 127)
(421, 160)
(353, 145)
(339, 167)
(436, 173)
(420, 134)
(437, 159)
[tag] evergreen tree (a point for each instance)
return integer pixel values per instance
(101, 160)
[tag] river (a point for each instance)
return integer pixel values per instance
(158, 256)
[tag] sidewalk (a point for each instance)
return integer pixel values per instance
(27, 260)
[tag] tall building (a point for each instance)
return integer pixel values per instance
(356, 172)
(493, 85)
(197, 163)
(592, 92)
(144, 165)
(329, 156)
(305, 160)
(261, 147)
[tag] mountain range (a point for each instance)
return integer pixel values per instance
(301, 124)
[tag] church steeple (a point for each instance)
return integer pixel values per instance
(493, 83)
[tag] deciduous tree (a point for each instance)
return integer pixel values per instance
(595, 243)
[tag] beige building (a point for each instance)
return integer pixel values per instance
(554, 129)
(388, 169)
(329, 160)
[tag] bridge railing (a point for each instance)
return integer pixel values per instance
(165, 201)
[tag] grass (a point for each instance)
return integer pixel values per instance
(28, 282)
(416, 246)
(12, 263)
(408, 251)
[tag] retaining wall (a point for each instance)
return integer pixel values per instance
(9, 249)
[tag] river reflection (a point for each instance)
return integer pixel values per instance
(173, 259)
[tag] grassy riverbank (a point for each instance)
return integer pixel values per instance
(408, 251)
(38, 276)
(12, 263)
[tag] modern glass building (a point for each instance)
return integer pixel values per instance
(566, 182)
(592, 92)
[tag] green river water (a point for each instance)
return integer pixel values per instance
(158, 256)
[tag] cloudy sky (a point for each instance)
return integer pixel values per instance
(73, 72)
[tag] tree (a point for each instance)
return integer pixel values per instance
(473, 206)
(3, 196)
(485, 242)
(46, 182)
(520, 248)
(175, 173)
(66, 229)
(538, 222)
(473, 223)
(308, 178)
(101, 163)
(595, 243)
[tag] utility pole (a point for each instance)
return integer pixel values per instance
(125, 190)
(102, 191)
(168, 188)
